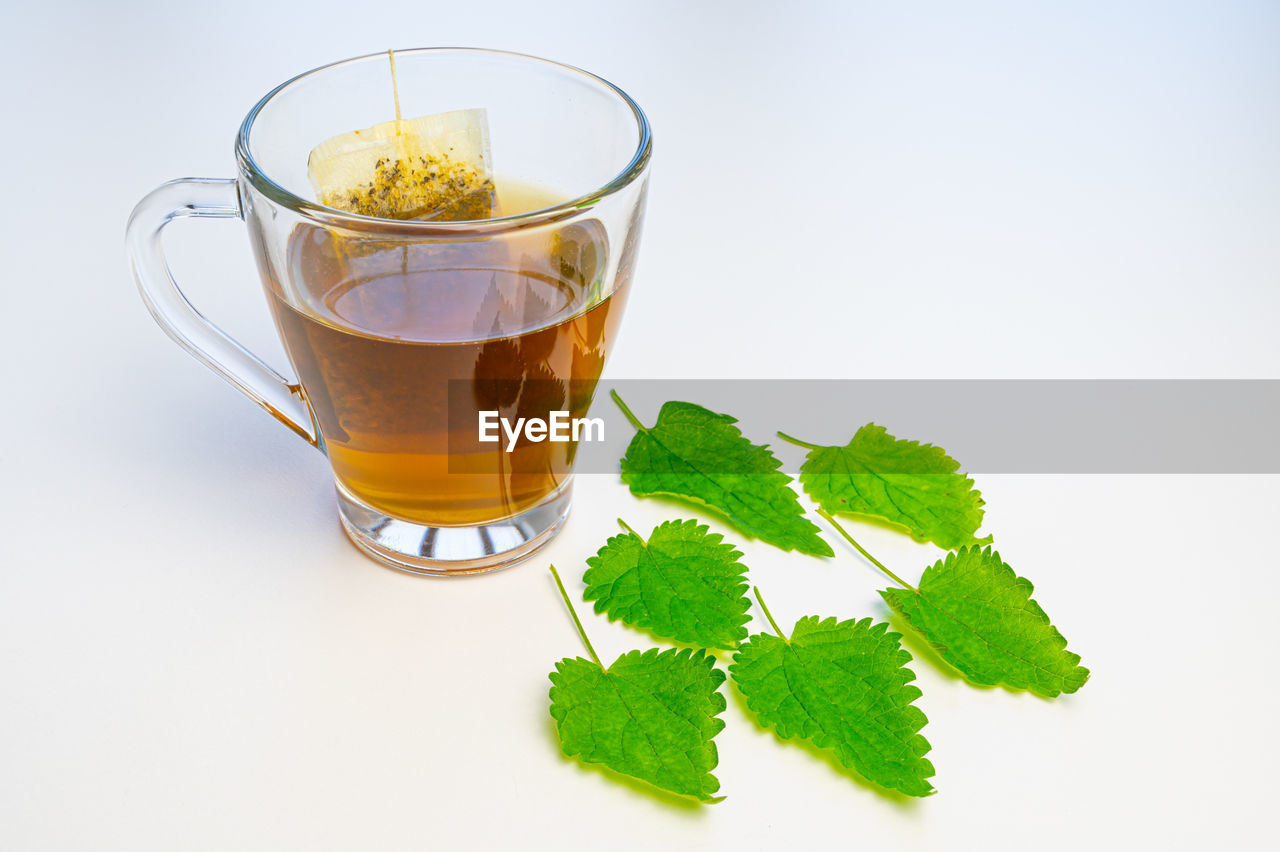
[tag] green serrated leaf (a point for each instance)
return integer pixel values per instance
(980, 617)
(650, 715)
(843, 686)
(700, 457)
(684, 584)
(904, 483)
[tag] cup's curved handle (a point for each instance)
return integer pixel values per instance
(219, 199)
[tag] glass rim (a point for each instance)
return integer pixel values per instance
(276, 191)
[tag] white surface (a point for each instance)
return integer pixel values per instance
(193, 657)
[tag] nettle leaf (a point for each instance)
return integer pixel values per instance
(700, 457)
(978, 614)
(684, 583)
(650, 715)
(842, 685)
(906, 483)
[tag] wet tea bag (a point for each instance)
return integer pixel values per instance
(430, 167)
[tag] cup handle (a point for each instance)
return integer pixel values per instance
(217, 199)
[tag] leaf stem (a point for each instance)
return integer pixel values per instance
(627, 527)
(635, 421)
(574, 614)
(768, 615)
(790, 440)
(876, 562)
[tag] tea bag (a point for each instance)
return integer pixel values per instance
(430, 167)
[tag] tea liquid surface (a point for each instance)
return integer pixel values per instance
(385, 334)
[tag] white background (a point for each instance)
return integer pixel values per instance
(193, 657)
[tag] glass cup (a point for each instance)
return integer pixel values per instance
(403, 334)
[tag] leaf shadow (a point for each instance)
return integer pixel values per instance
(717, 653)
(689, 807)
(713, 515)
(899, 801)
(877, 521)
(921, 648)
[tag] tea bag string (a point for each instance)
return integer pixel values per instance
(404, 154)
(395, 88)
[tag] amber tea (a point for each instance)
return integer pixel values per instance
(422, 295)
(386, 336)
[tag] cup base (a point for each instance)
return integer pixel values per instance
(453, 551)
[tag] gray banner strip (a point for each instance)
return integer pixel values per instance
(990, 426)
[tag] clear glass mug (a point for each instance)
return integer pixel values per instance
(402, 332)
